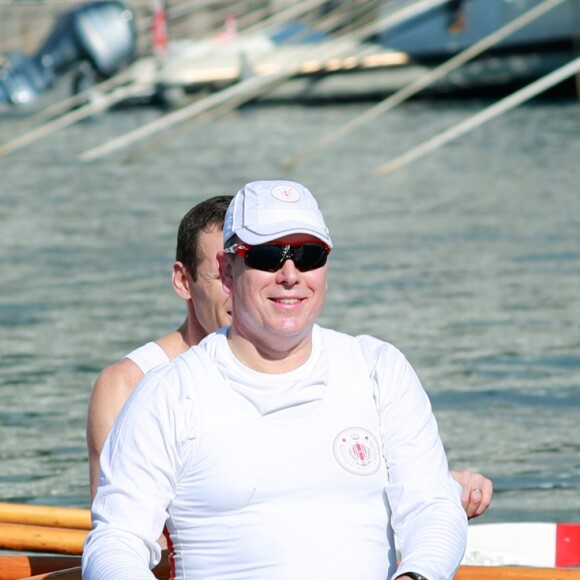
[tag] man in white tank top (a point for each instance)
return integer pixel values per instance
(195, 279)
(277, 449)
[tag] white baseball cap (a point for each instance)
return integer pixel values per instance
(263, 211)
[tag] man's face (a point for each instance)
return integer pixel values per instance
(276, 310)
(211, 303)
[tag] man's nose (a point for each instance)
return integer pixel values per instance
(288, 273)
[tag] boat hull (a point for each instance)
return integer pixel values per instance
(449, 28)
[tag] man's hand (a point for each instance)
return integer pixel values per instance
(476, 492)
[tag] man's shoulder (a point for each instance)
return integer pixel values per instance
(178, 379)
(362, 340)
(191, 361)
(196, 355)
(122, 376)
(373, 349)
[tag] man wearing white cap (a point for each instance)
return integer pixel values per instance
(277, 449)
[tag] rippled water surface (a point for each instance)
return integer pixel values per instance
(468, 260)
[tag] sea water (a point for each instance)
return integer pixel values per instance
(468, 260)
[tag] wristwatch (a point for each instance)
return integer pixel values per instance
(414, 575)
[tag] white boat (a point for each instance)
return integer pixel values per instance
(407, 39)
(535, 544)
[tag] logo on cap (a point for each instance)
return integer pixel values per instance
(286, 193)
(357, 450)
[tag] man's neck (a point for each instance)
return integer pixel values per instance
(191, 331)
(264, 359)
(180, 340)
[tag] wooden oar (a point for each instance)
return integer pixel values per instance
(15, 566)
(515, 573)
(230, 104)
(75, 574)
(42, 515)
(99, 105)
(464, 573)
(238, 93)
(162, 572)
(68, 574)
(42, 539)
(30, 567)
(506, 104)
(424, 81)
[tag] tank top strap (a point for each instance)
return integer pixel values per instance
(148, 356)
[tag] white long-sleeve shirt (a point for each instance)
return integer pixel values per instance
(298, 475)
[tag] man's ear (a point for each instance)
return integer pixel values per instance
(180, 281)
(225, 266)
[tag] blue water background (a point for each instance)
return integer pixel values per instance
(468, 260)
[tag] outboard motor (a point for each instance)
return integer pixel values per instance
(102, 34)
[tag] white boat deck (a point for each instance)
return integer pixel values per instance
(190, 65)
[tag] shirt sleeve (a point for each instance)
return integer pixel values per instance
(140, 463)
(425, 502)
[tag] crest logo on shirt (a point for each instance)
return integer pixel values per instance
(358, 451)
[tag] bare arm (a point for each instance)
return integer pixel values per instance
(110, 391)
(476, 492)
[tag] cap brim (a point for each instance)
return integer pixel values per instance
(266, 234)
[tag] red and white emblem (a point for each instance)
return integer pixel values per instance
(285, 193)
(358, 451)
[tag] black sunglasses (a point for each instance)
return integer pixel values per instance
(271, 257)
